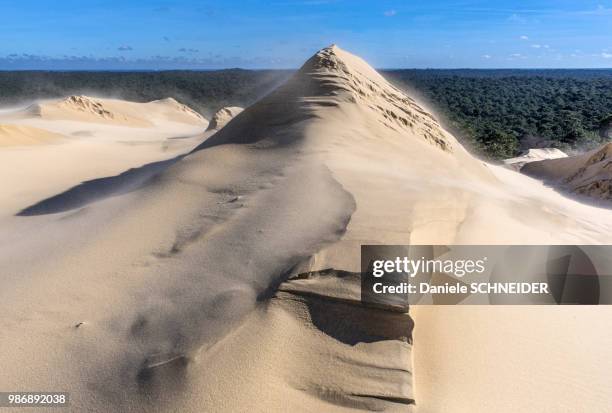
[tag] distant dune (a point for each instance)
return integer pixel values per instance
(226, 278)
(587, 174)
(94, 137)
(112, 111)
(532, 155)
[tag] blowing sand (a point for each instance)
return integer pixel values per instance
(588, 174)
(225, 280)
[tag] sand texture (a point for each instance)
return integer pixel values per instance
(226, 278)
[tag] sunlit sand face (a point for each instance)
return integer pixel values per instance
(155, 266)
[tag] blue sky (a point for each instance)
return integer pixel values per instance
(156, 34)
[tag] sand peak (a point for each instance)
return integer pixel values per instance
(341, 73)
(86, 104)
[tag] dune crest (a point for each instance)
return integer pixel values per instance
(337, 71)
(83, 108)
(171, 109)
(85, 104)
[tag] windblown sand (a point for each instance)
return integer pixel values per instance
(225, 280)
(588, 174)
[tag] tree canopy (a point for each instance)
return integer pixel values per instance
(497, 112)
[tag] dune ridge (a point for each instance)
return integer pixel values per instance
(337, 71)
(228, 280)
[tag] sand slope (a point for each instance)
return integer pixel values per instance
(20, 135)
(587, 174)
(226, 281)
(92, 138)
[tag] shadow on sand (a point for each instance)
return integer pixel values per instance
(97, 189)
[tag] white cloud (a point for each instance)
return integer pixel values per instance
(523, 37)
(606, 55)
(390, 13)
(536, 46)
(486, 56)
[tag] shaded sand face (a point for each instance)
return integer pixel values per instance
(588, 174)
(226, 280)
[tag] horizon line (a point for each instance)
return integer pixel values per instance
(297, 68)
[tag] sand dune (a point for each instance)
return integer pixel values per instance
(532, 155)
(20, 135)
(93, 140)
(588, 174)
(227, 280)
(223, 116)
(111, 111)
